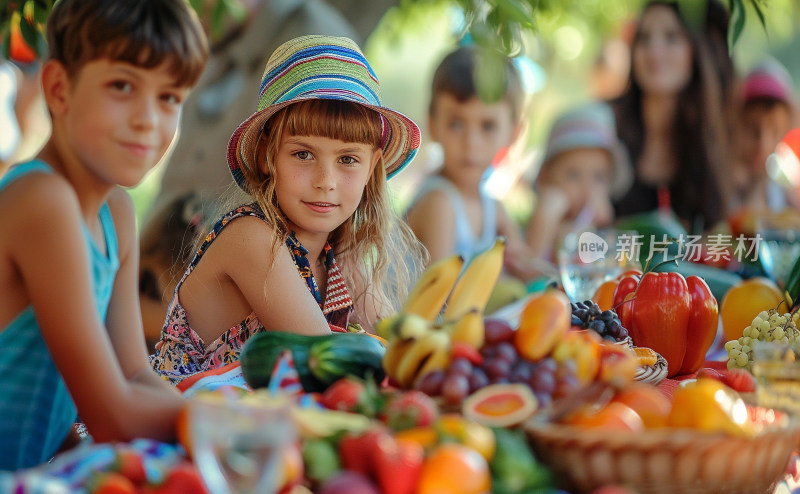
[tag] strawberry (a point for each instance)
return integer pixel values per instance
(355, 450)
(409, 409)
(467, 351)
(739, 380)
(397, 464)
(345, 394)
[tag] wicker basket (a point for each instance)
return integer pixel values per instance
(664, 460)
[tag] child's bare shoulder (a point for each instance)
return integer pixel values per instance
(38, 195)
(435, 201)
(245, 237)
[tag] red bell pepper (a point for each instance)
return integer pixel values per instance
(673, 315)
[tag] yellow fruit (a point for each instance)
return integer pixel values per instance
(744, 301)
(544, 320)
(709, 405)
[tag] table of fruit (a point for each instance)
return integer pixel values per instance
(610, 395)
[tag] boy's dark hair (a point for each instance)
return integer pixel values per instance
(141, 32)
(455, 76)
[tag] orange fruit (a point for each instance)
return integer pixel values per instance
(604, 295)
(454, 469)
(650, 403)
(742, 303)
(614, 415)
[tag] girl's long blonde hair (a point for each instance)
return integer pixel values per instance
(374, 246)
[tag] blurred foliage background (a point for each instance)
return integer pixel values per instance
(567, 50)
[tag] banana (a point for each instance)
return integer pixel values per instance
(395, 351)
(474, 287)
(438, 361)
(468, 329)
(418, 354)
(402, 325)
(432, 288)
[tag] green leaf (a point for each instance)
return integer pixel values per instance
(517, 10)
(736, 22)
(235, 9)
(218, 19)
(490, 75)
(29, 33)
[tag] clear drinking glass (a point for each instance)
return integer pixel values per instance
(778, 246)
(587, 259)
(237, 445)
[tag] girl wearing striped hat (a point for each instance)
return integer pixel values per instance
(315, 245)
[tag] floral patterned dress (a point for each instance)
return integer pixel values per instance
(181, 353)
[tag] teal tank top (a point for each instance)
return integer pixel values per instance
(36, 409)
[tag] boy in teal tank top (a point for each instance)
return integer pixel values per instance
(71, 340)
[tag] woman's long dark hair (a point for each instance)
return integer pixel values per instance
(699, 135)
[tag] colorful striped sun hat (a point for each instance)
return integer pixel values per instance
(322, 67)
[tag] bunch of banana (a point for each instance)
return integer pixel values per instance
(406, 361)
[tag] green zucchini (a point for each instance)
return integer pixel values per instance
(341, 354)
(262, 350)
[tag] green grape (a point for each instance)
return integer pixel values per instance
(768, 327)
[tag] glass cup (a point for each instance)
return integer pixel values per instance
(587, 259)
(237, 445)
(778, 246)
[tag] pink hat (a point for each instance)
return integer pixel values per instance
(768, 80)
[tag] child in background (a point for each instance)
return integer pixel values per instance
(583, 166)
(766, 114)
(312, 248)
(166, 245)
(452, 212)
(71, 329)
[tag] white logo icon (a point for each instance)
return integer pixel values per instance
(591, 247)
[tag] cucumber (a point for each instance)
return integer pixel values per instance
(342, 354)
(262, 350)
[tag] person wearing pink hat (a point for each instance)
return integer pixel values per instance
(766, 113)
(584, 166)
(314, 246)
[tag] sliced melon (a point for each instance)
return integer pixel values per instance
(500, 405)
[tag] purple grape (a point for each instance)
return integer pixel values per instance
(507, 352)
(460, 366)
(543, 381)
(489, 351)
(500, 380)
(623, 333)
(497, 330)
(455, 388)
(520, 373)
(548, 363)
(497, 368)
(431, 383)
(478, 380)
(544, 399)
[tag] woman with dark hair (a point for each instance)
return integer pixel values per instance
(670, 118)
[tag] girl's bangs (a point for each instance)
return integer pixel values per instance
(334, 119)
